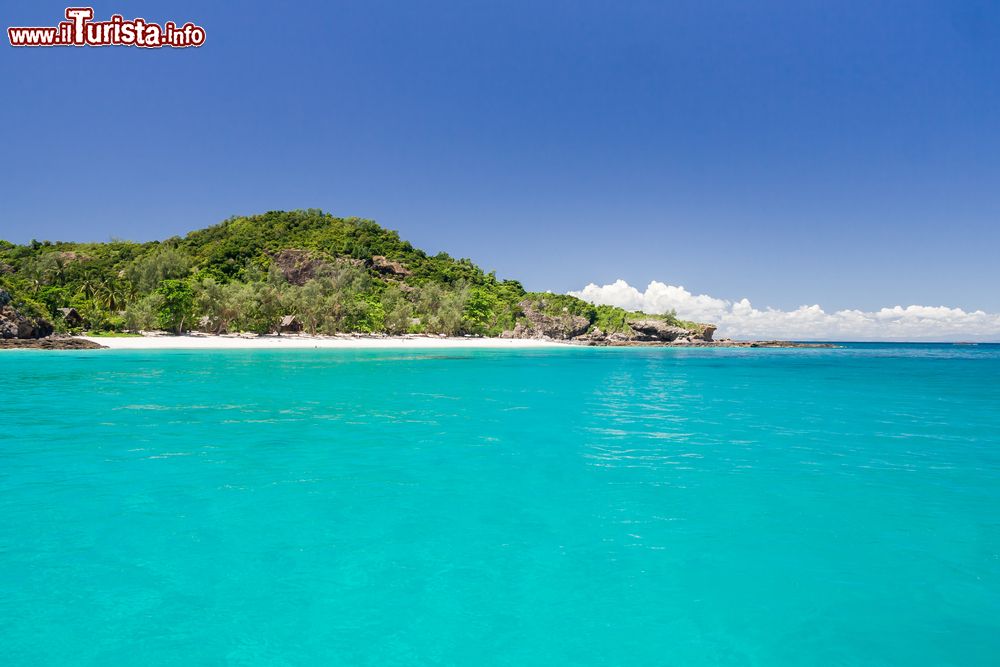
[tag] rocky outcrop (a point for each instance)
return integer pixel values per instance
(383, 264)
(650, 331)
(698, 342)
(656, 330)
(15, 325)
(50, 343)
(300, 266)
(297, 266)
(538, 324)
(705, 332)
(539, 319)
(70, 256)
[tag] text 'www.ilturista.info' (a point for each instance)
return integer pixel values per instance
(80, 30)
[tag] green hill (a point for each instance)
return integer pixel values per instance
(307, 269)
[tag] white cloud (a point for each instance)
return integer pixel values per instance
(740, 319)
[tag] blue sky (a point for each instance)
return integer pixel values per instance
(841, 153)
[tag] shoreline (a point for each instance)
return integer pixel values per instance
(304, 341)
(202, 341)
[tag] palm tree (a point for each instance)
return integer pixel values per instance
(113, 295)
(89, 286)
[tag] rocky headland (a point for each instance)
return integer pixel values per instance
(22, 331)
(647, 331)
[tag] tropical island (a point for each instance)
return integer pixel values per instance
(295, 272)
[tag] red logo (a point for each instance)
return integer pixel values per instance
(79, 29)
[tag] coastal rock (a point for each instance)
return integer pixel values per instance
(15, 325)
(693, 341)
(595, 335)
(538, 324)
(650, 331)
(707, 331)
(783, 343)
(49, 343)
(656, 330)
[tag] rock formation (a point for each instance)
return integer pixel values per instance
(297, 266)
(385, 265)
(15, 325)
(537, 324)
(656, 330)
(50, 343)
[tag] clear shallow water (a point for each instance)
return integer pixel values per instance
(577, 506)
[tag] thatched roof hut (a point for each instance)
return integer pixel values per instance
(290, 324)
(71, 317)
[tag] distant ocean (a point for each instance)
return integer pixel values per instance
(475, 507)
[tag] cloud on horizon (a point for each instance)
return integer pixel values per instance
(740, 319)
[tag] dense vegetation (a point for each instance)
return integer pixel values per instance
(247, 273)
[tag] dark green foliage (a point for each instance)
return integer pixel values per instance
(611, 320)
(19, 299)
(560, 304)
(492, 307)
(177, 307)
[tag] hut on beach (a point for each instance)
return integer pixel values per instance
(290, 324)
(71, 317)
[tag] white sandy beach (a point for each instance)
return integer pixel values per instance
(301, 341)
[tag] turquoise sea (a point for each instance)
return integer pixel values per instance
(544, 507)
